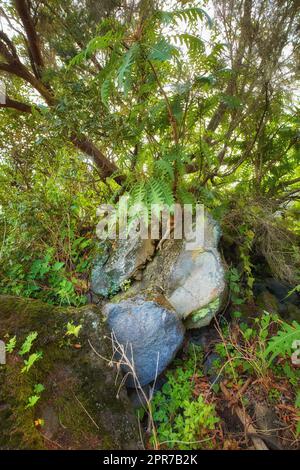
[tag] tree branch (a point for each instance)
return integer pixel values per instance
(17, 105)
(34, 46)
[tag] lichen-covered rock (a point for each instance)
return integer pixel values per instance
(79, 405)
(151, 334)
(117, 265)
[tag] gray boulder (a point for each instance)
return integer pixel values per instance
(192, 281)
(150, 333)
(118, 264)
(196, 284)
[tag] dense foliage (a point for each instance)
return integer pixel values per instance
(161, 100)
(165, 101)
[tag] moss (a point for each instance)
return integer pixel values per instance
(203, 316)
(79, 387)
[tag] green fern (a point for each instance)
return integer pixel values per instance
(193, 43)
(100, 43)
(94, 45)
(281, 344)
(155, 192)
(187, 14)
(169, 199)
(138, 194)
(164, 168)
(105, 91)
(125, 69)
(162, 51)
(185, 196)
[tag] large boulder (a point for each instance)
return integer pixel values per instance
(192, 281)
(150, 334)
(81, 405)
(119, 263)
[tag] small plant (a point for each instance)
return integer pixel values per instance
(234, 281)
(73, 330)
(33, 399)
(281, 344)
(27, 345)
(10, 346)
(33, 358)
(274, 395)
(183, 419)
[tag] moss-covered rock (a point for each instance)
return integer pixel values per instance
(79, 405)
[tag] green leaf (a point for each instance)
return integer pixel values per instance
(38, 388)
(105, 91)
(281, 344)
(125, 69)
(31, 361)
(26, 346)
(162, 51)
(73, 330)
(32, 401)
(188, 14)
(10, 346)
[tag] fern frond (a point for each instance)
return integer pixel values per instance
(105, 91)
(162, 51)
(155, 192)
(188, 14)
(193, 43)
(185, 196)
(281, 344)
(164, 168)
(138, 194)
(125, 68)
(169, 199)
(94, 45)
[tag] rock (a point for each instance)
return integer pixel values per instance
(269, 302)
(211, 368)
(79, 404)
(281, 291)
(192, 281)
(151, 334)
(196, 283)
(116, 266)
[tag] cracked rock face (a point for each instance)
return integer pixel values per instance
(116, 266)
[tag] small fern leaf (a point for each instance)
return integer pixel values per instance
(164, 168)
(138, 194)
(78, 59)
(281, 344)
(162, 51)
(125, 68)
(155, 192)
(105, 91)
(187, 14)
(169, 199)
(193, 43)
